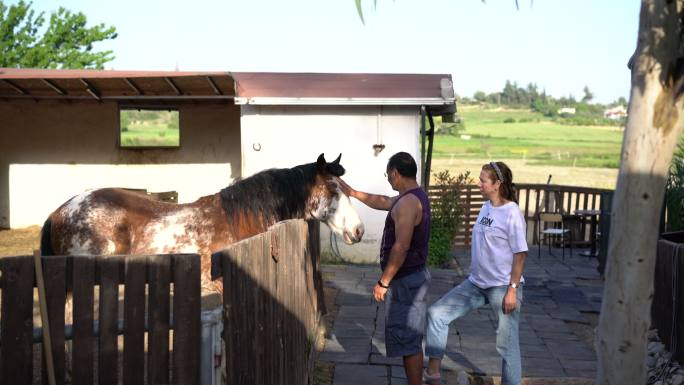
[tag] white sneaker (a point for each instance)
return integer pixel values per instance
(432, 379)
(463, 378)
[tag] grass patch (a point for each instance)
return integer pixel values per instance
(154, 135)
(526, 135)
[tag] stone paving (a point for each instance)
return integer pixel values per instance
(557, 295)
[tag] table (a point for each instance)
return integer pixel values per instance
(593, 214)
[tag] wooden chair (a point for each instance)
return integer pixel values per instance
(552, 226)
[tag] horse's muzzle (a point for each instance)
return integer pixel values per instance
(354, 236)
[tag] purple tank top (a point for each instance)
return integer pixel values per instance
(418, 250)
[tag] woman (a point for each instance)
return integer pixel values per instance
(498, 252)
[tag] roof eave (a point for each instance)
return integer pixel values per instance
(289, 101)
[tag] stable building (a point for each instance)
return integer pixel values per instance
(61, 133)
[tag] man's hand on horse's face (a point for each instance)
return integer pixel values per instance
(346, 189)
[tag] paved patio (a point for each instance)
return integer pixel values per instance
(562, 300)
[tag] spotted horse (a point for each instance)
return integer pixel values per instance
(117, 221)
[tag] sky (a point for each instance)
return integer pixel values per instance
(559, 45)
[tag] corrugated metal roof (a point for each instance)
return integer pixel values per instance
(244, 87)
(118, 85)
(39, 73)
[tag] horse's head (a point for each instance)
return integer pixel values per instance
(330, 205)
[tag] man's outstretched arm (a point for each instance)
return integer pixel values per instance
(378, 202)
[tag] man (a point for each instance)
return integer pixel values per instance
(404, 281)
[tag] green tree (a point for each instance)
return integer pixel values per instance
(66, 41)
(621, 101)
(480, 96)
(588, 95)
(674, 191)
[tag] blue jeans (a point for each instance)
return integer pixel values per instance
(464, 298)
(405, 308)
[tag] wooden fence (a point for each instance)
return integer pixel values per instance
(532, 198)
(169, 280)
(273, 305)
(273, 298)
(667, 309)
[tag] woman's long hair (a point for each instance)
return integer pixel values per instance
(505, 175)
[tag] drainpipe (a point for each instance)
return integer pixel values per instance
(428, 158)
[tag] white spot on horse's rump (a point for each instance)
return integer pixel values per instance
(75, 204)
(78, 248)
(111, 247)
(171, 233)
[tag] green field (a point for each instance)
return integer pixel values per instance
(151, 135)
(149, 128)
(531, 138)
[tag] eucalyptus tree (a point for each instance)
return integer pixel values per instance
(655, 123)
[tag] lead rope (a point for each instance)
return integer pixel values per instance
(335, 247)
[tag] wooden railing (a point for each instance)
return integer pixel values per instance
(532, 198)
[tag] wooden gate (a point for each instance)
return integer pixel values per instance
(272, 300)
(161, 281)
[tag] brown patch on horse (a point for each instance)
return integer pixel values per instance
(324, 190)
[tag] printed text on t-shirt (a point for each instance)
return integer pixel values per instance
(486, 221)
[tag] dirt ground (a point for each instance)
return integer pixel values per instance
(19, 241)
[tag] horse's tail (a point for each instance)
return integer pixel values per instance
(46, 238)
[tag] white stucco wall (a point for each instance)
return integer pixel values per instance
(292, 135)
(30, 204)
(53, 150)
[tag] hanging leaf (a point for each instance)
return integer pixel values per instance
(360, 11)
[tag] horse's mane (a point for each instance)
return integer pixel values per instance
(274, 194)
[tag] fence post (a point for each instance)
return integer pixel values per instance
(44, 320)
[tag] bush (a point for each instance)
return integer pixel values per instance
(509, 120)
(449, 128)
(447, 214)
(674, 191)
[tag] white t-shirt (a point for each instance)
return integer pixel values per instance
(498, 233)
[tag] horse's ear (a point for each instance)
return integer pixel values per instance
(320, 162)
(337, 161)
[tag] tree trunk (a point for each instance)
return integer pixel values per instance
(653, 128)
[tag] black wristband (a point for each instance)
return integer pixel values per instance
(381, 285)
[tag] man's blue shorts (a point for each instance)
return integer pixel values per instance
(405, 312)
